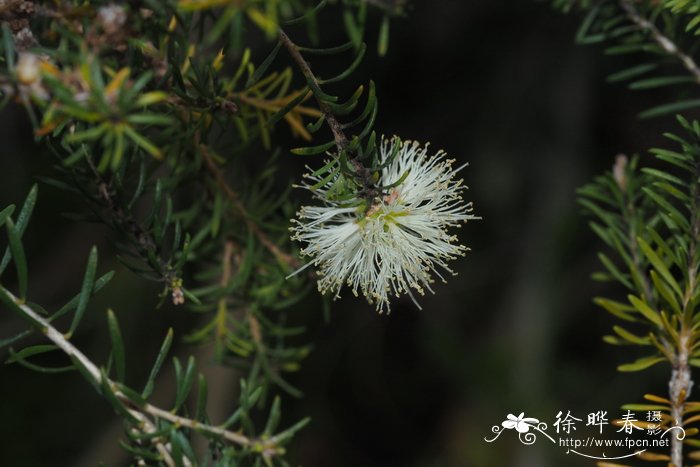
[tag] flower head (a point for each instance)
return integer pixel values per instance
(396, 244)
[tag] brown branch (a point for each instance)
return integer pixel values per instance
(341, 140)
(664, 42)
(233, 197)
(336, 128)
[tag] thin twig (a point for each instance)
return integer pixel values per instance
(140, 412)
(341, 140)
(664, 42)
(233, 197)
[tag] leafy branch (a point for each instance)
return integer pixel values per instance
(664, 42)
(650, 218)
(158, 427)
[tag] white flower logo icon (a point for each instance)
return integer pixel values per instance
(521, 423)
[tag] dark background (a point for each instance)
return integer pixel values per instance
(498, 84)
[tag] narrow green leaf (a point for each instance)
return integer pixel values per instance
(658, 82)
(663, 175)
(115, 336)
(8, 45)
(383, 41)
(201, 407)
(306, 15)
(313, 150)
(21, 222)
(620, 310)
(13, 339)
(141, 141)
(645, 310)
(164, 349)
(150, 119)
(664, 291)
(671, 108)
(5, 213)
(327, 51)
(31, 351)
(659, 265)
(184, 381)
(90, 134)
(274, 418)
(614, 271)
(20, 357)
(85, 291)
(279, 115)
(18, 256)
(260, 71)
(99, 284)
(641, 364)
(632, 72)
(645, 407)
(353, 66)
(631, 338)
(291, 431)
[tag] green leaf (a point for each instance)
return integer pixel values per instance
(184, 382)
(291, 431)
(632, 72)
(200, 408)
(661, 81)
(659, 265)
(645, 310)
(306, 15)
(664, 291)
(327, 51)
(144, 143)
(260, 71)
(20, 357)
(150, 119)
(5, 213)
(620, 310)
(631, 338)
(614, 271)
(85, 291)
(645, 407)
(13, 339)
(22, 221)
(99, 284)
(274, 418)
(164, 349)
(279, 115)
(313, 150)
(383, 41)
(31, 351)
(641, 364)
(18, 256)
(671, 108)
(90, 134)
(353, 66)
(9, 45)
(115, 336)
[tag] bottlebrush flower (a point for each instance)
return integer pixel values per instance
(397, 244)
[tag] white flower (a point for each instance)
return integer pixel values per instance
(396, 244)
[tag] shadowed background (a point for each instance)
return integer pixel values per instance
(500, 85)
